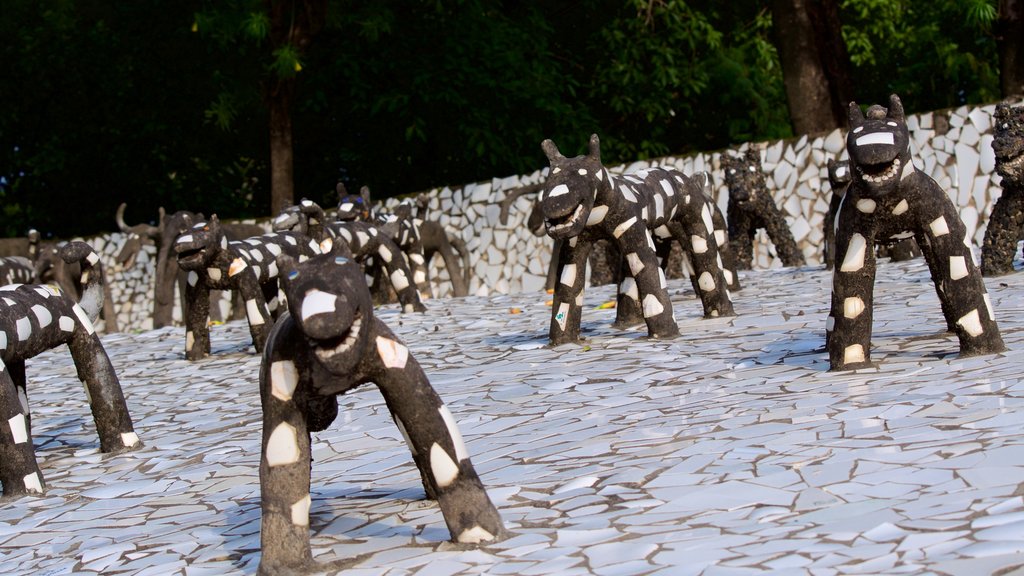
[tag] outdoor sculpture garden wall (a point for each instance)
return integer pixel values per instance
(1006, 222)
(581, 202)
(890, 198)
(36, 318)
(954, 147)
(329, 343)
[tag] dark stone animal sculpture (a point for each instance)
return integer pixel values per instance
(327, 344)
(751, 207)
(51, 268)
(248, 266)
(168, 273)
(364, 240)
(582, 202)
(890, 198)
(419, 239)
(1006, 223)
(36, 318)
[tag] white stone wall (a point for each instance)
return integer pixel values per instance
(952, 146)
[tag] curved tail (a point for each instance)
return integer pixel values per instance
(92, 275)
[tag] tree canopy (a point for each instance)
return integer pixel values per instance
(163, 103)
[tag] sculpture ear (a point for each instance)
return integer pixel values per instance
(340, 190)
(595, 147)
(856, 116)
(160, 221)
(895, 108)
(364, 193)
(753, 157)
(213, 222)
(551, 151)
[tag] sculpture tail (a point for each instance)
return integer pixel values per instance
(460, 246)
(92, 275)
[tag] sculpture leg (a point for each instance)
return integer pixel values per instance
(256, 311)
(780, 234)
(197, 333)
(741, 238)
(567, 302)
(19, 472)
(1005, 227)
(638, 247)
(400, 278)
(711, 285)
(729, 264)
(552, 278)
(109, 410)
(284, 489)
(965, 302)
(627, 305)
(418, 267)
(440, 453)
(849, 322)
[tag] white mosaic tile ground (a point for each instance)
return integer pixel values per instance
(728, 451)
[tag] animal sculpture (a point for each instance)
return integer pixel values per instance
(328, 343)
(889, 198)
(36, 318)
(1006, 223)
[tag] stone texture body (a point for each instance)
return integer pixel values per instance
(581, 202)
(36, 318)
(890, 199)
(247, 266)
(327, 344)
(1006, 223)
(751, 207)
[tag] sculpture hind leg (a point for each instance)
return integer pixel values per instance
(106, 400)
(19, 471)
(702, 248)
(729, 264)
(780, 234)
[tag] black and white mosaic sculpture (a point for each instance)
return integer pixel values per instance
(582, 202)
(36, 318)
(327, 344)
(1006, 223)
(751, 207)
(248, 266)
(889, 198)
(363, 239)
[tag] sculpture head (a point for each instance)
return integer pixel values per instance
(744, 176)
(353, 207)
(569, 192)
(839, 176)
(198, 246)
(306, 217)
(879, 147)
(1008, 144)
(330, 303)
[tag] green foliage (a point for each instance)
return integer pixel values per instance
(163, 102)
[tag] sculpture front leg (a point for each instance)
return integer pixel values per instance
(197, 333)
(106, 400)
(399, 275)
(19, 471)
(848, 326)
(436, 445)
(567, 302)
(961, 289)
(256, 311)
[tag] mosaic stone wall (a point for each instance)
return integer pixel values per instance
(953, 146)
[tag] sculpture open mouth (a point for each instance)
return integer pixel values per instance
(564, 223)
(327, 349)
(192, 256)
(879, 173)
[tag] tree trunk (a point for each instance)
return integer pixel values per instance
(1011, 47)
(835, 59)
(282, 170)
(803, 73)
